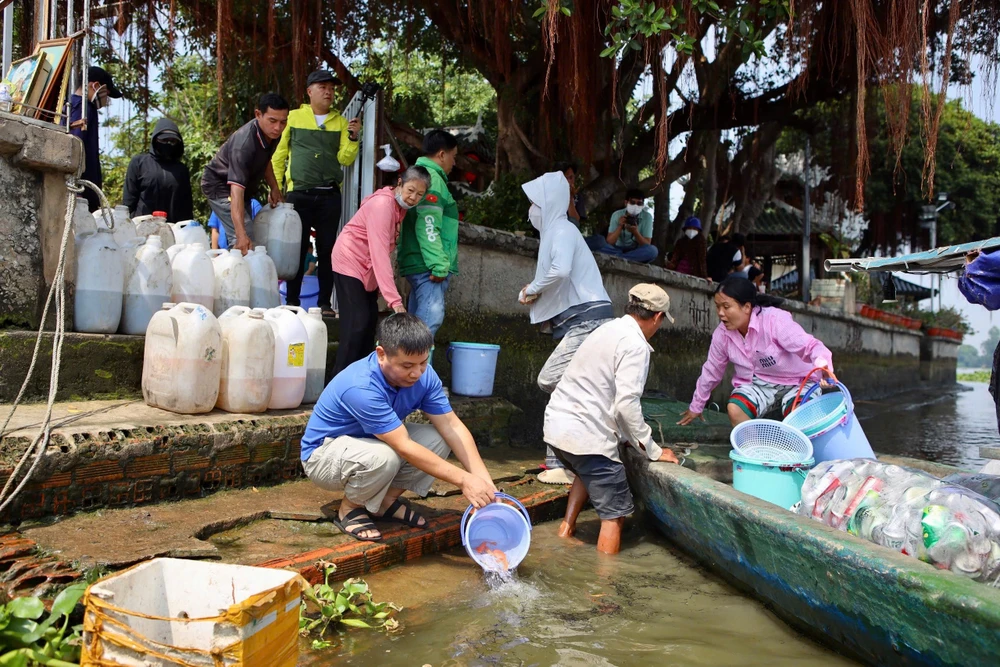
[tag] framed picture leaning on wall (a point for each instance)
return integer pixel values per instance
(58, 53)
(22, 80)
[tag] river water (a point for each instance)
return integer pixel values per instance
(942, 427)
(648, 605)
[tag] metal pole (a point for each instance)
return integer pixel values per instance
(70, 29)
(85, 62)
(804, 276)
(8, 37)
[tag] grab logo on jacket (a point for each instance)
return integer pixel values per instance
(429, 228)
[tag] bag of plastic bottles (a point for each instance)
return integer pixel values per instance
(947, 525)
(982, 483)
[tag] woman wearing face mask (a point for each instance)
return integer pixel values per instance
(159, 180)
(770, 353)
(362, 264)
(689, 254)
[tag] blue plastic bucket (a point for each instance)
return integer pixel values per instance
(845, 439)
(308, 295)
(497, 526)
(778, 483)
(473, 368)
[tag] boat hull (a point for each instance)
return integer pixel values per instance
(878, 606)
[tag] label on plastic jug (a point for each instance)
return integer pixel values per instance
(297, 354)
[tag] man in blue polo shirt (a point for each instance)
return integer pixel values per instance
(356, 440)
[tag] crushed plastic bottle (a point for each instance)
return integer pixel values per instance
(6, 101)
(941, 522)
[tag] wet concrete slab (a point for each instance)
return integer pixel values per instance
(246, 526)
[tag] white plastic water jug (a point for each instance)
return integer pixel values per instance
(149, 282)
(183, 359)
(247, 361)
(175, 250)
(124, 227)
(232, 280)
(290, 341)
(100, 278)
(263, 279)
(315, 351)
(283, 239)
(147, 225)
(194, 278)
(83, 221)
(191, 231)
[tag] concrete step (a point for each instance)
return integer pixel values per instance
(105, 454)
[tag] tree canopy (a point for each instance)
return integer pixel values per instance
(722, 81)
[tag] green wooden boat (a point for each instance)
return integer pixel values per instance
(871, 603)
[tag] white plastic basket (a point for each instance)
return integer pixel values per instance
(770, 441)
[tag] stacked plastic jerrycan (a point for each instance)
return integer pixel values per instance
(232, 280)
(149, 283)
(190, 231)
(148, 225)
(263, 279)
(279, 229)
(194, 278)
(124, 227)
(183, 359)
(100, 279)
(316, 349)
(83, 221)
(247, 361)
(290, 341)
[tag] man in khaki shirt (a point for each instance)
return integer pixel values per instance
(596, 406)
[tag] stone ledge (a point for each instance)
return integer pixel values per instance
(39, 146)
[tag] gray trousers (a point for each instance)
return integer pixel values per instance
(366, 468)
(223, 210)
(555, 367)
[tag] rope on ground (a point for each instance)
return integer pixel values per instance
(57, 292)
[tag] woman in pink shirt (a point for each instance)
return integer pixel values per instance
(362, 263)
(769, 351)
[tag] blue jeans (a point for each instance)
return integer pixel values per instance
(427, 299)
(642, 254)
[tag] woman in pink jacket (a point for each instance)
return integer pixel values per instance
(770, 353)
(362, 263)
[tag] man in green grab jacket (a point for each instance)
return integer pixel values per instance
(428, 246)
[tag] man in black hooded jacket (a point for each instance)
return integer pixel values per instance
(158, 180)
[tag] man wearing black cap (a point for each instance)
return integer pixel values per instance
(100, 88)
(308, 163)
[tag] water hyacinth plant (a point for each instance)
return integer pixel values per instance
(324, 607)
(27, 640)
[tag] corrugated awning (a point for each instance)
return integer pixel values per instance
(939, 260)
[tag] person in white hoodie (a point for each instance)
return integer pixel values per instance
(567, 294)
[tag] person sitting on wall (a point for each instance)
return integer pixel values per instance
(771, 354)
(631, 231)
(567, 294)
(726, 256)
(689, 256)
(219, 239)
(596, 406)
(356, 440)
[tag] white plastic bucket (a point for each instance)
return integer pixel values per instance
(190, 231)
(148, 225)
(194, 277)
(279, 229)
(497, 526)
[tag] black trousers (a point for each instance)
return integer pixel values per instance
(320, 211)
(358, 319)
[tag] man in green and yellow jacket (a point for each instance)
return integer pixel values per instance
(309, 164)
(428, 246)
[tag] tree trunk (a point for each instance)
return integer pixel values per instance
(661, 222)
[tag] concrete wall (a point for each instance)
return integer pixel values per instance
(938, 359)
(873, 358)
(35, 159)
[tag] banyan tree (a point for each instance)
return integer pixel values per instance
(639, 91)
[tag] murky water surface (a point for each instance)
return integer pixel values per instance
(570, 606)
(943, 428)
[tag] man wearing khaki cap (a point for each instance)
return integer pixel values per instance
(596, 406)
